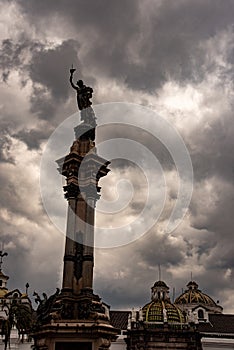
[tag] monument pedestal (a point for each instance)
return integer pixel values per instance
(68, 321)
(74, 335)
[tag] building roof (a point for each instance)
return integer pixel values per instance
(3, 292)
(218, 324)
(119, 319)
(160, 284)
(154, 312)
(193, 295)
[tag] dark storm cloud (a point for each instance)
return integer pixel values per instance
(13, 56)
(136, 268)
(217, 219)
(117, 294)
(47, 68)
(49, 71)
(213, 163)
(5, 145)
(139, 135)
(113, 23)
(50, 67)
(206, 246)
(33, 137)
(170, 45)
(141, 44)
(21, 264)
(155, 250)
(13, 267)
(106, 17)
(176, 31)
(214, 151)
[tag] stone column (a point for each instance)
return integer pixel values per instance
(69, 255)
(88, 257)
(80, 229)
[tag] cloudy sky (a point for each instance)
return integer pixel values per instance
(175, 58)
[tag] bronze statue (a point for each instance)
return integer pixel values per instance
(46, 307)
(84, 93)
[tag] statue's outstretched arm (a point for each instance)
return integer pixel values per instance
(71, 79)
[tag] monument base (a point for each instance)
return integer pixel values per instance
(66, 321)
(73, 335)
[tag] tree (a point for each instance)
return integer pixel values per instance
(6, 331)
(18, 315)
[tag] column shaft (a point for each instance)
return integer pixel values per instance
(89, 245)
(69, 255)
(80, 229)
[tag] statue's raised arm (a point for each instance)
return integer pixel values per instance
(84, 93)
(72, 70)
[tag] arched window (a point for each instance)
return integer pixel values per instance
(200, 313)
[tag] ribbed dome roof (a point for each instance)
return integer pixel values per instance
(153, 312)
(194, 296)
(3, 292)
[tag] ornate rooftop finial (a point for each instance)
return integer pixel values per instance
(192, 285)
(160, 291)
(2, 254)
(84, 93)
(26, 287)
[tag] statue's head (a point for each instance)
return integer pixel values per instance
(80, 83)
